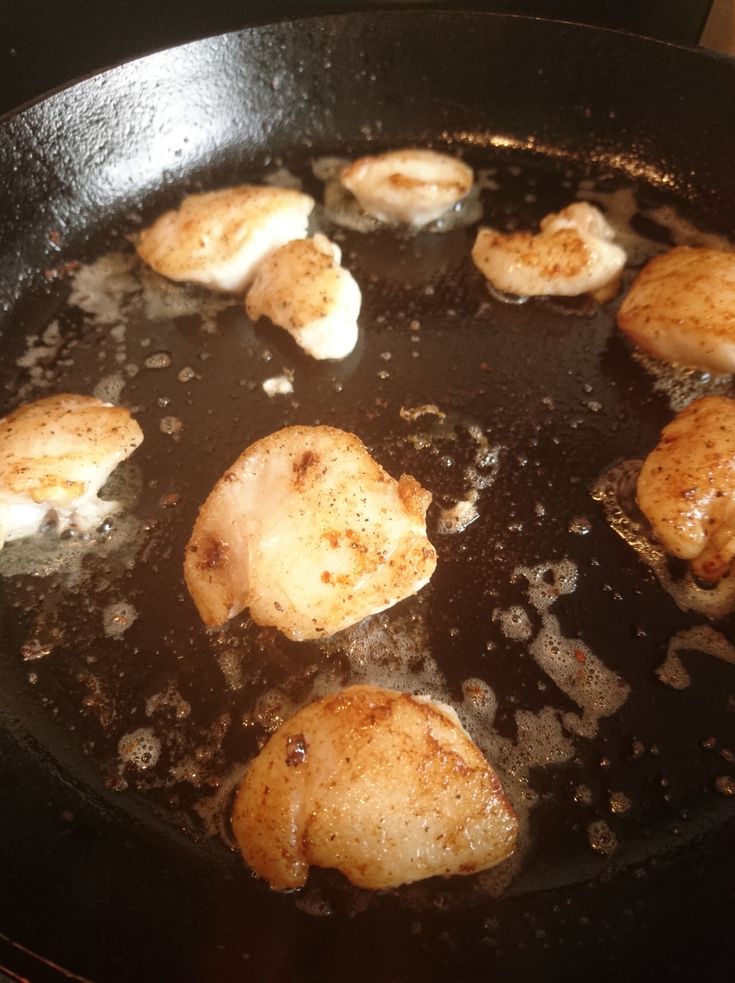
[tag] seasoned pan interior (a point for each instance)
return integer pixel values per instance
(522, 406)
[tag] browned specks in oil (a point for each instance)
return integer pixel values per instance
(213, 554)
(301, 467)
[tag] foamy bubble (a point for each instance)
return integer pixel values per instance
(680, 384)
(460, 515)
(479, 706)
(41, 349)
(413, 413)
(620, 803)
(116, 287)
(477, 475)
(102, 287)
(672, 671)
(109, 388)
(540, 741)
(392, 652)
(140, 748)
(117, 618)
(273, 708)
(230, 663)
(46, 554)
(577, 671)
(701, 638)
(569, 662)
(548, 581)
(168, 700)
(601, 838)
(514, 623)
(172, 426)
(158, 360)
(583, 795)
(683, 232)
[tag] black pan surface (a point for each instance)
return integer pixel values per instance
(109, 870)
(42, 47)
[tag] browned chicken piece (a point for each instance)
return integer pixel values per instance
(302, 287)
(218, 238)
(573, 254)
(411, 186)
(686, 488)
(310, 533)
(681, 308)
(384, 786)
(55, 455)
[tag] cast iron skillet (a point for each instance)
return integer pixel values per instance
(122, 885)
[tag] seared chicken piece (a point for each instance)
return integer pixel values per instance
(301, 287)
(310, 533)
(55, 455)
(384, 786)
(572, 254)
(681, 308)
(218, 238)
(411, 186)
(686, 488)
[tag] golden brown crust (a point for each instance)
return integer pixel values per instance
(384, 786)
(681, 308)
(559, 253)
(209, 231)
(311, 535)
(686, 486)
(47, 447)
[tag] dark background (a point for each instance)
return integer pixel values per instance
(46, 43)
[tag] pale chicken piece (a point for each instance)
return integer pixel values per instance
(411, 186)
(55, 455)
(310, 533)
(384, 786)
(681, 308)
(218, 238)
(302, 287)
(686, 487)
(573, 254)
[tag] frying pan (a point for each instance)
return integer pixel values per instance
(107, 882)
